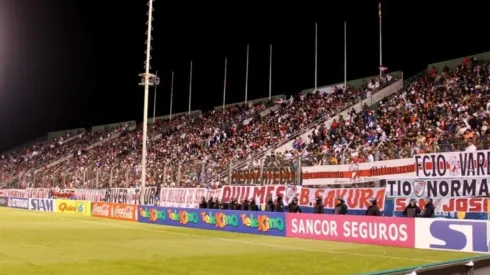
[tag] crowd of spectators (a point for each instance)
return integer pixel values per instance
(188, 151)
(440, 112)
(20, 162)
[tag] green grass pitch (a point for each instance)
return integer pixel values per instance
(59, 244)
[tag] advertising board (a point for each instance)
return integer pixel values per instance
(272, 224)
(19, 203)
(353, 229)
(453, 235)
(116, 211)
(44, 205)
(72, 207)
(4, 201)
(437, 188)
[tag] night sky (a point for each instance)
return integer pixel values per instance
(67, 64)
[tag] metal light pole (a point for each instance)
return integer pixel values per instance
(147, 78)
(246, 76)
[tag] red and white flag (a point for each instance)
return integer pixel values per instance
(383, 68)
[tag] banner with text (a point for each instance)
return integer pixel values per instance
(131, 196)
(453, 208)
(19, 203)
(353, 229)
(40, 193)
(358, 173)
(116, 211)
(438, 188)
(15, 193)
(272, 224)
(90, 194)
(355, 198)
(265, 176)
(453, 165)
(72, 207)
(453, 235)
(44, 205)
(185, 197)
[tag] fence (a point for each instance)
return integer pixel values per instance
(276, 168)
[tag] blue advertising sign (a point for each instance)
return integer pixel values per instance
(45, 205)
(4, 201)
(20, 203)
(264, 223)
(455, 235)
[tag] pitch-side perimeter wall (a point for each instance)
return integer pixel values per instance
(435, 234)
(450, 197)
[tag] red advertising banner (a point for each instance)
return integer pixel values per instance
(125, 212)
(472, 205)
(102, 209)
(355, 198)
(115, 211)
(352, 229)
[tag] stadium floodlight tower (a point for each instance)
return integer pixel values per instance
(147, 81)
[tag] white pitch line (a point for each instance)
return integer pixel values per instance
(239, 241)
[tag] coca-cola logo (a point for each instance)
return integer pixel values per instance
(102, 210)
(126, 212)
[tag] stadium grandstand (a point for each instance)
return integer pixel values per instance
(383, 174)
(442, 109)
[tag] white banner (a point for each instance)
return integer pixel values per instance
(40, 193)
(356, 198)
(453, 165)
(358, 173)
(438, 188)
(14, 193)
(90, 194)
(185, 197)
(131, 196)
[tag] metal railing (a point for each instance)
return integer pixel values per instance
(467, 266)
(277, 168)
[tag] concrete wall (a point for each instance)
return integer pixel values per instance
(250, 102)
(354, 83)
(195, 112)
(101, 128)
(73, 132)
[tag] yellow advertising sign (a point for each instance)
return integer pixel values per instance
(73, 207)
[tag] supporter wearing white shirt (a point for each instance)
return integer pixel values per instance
(471, 147)
(370, 158)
